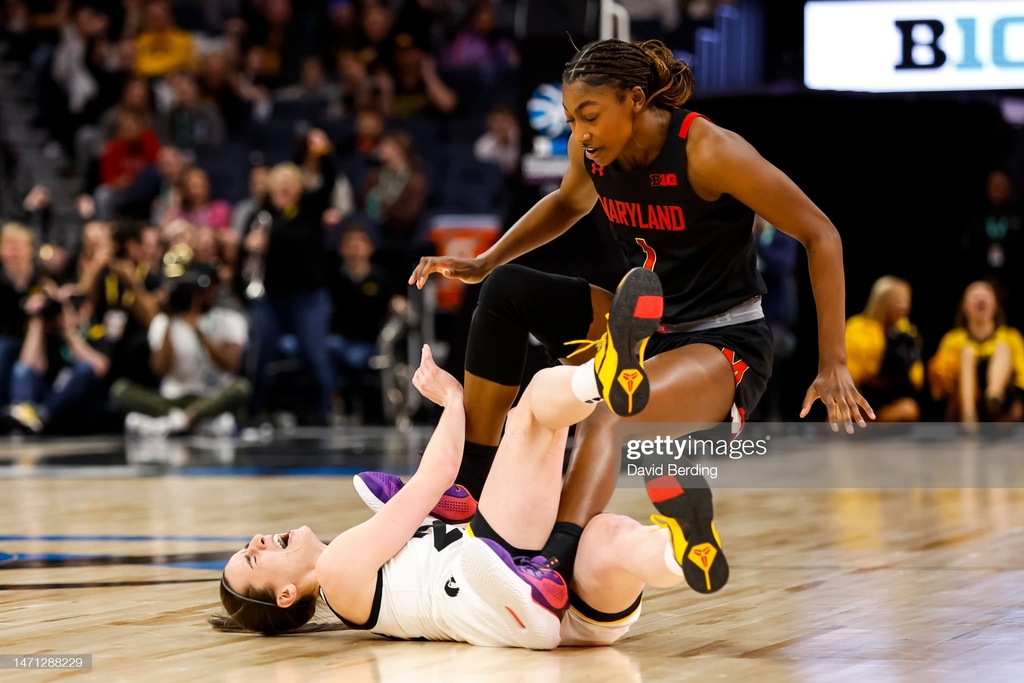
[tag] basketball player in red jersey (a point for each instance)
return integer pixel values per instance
(680, 194)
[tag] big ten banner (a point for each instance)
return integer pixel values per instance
(461, 236)
(908, 46)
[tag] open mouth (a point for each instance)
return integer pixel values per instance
(282, 540)
(591, 152)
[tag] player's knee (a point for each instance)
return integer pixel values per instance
(601, 542)
(503, 288)
(606, 527)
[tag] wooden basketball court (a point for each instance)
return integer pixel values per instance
(116, 554)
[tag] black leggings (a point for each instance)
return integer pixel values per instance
(515, 302)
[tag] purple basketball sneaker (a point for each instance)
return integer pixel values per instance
(526, 598)
(456, 506)
(547, 586)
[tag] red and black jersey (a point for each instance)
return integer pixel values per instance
(704, 252)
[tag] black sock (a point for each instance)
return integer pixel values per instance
(476, 464)
(560, 550)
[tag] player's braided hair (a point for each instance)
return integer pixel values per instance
(649, 65)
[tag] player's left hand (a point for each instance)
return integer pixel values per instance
(835, 387)
(434, 383)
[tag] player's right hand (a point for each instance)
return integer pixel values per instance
(434, 383)
(469, 270)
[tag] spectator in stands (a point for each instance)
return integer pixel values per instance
(150, 196)
(345, 30)
(362, 296)
(124, 157)
(94, 251)
(376, 44)
(479, 45)
(152, 247)
(500, 144)
(296, 297)
(190, 123)
(884, 352)
(314, 90)
(994, 239)
(418, 90)
(396, 190)
(209, 250)
(360, 88)
(162, 47)
(220, 88)
(195, 204)
(91, 140)
(308, 157)
(122, 290)
(280, 42)
(78, 67)
(244, 211)
(57, 381)
(369, 127)
(18, 276)
(196, 349)
(978, 370)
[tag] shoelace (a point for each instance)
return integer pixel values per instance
(584, 345)
(591, 343)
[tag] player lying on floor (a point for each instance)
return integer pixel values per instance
(394, 576)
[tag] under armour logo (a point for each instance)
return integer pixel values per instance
(739, 366)
(595, 169)
(450, 588)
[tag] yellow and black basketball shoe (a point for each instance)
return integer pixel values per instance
(619, 364)
(686, 508)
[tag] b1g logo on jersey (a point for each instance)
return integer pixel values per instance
(664, 180)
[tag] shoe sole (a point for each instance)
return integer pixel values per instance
(372, 501)
(526, 622)
(688, 500)
(634, 316)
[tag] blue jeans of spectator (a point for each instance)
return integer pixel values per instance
(77, 389)
(349, 358)
(10, 347)
(306, 314)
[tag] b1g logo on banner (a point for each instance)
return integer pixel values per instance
(549, 157)
(911, 46)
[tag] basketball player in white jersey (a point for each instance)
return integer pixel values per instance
(454, 584)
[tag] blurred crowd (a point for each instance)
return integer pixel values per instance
(256, 178)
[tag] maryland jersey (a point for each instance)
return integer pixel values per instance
(703, 252)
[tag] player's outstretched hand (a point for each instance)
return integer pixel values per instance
(469, 270)
(434, 383)
(837, 391)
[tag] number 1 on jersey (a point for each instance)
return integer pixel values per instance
(649, 250)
